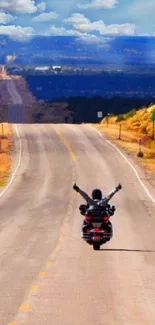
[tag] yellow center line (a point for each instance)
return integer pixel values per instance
(42, 273)
(50, 263)
(66, 142)
(24, 307)
(35, 287)
(58, 247)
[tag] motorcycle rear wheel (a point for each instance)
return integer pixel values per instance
(96, 246)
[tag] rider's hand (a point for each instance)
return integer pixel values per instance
(118, 187)
(75, 187)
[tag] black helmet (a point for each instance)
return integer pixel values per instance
(96, 194)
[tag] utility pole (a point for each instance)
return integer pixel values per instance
(107, 120)
(140, 153)
(120, 129)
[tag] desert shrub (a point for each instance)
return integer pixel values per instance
(151, 109)
(151, 144)
(120, 118)
(130, 114)
(133, 120)
(143, 127)
(149, 128)
(103, 120)
(150, 154)
(141, 113)
(138, 121)
(111, 119)
(111, 114)
(133, 125)
(151, 104)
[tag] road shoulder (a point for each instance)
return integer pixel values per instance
(146, 177)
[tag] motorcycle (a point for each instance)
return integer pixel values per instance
(96, 223)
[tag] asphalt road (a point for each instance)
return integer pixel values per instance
(48, 275)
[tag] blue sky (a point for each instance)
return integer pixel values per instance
(21, 19)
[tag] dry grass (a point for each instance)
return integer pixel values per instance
(6, 147)
(132, 128)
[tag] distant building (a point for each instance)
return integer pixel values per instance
(57, 68)
(45, 68)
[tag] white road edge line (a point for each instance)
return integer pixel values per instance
(18, 164)
(129, 163)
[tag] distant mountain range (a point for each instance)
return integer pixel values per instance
(69, 50)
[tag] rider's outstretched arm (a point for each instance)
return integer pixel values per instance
(83, 194)
(111, 194)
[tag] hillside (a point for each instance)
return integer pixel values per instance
(126, 130)
(33, 111)
(23, 90)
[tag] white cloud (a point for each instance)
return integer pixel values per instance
(46, 16)
(5, 18)
(61, 31)
(41, 6)
(93, 39)
(76, 19)
(116, 29)
(99, 4)
(84, 25)
(18, 33)
(79, 23)
(18, 6)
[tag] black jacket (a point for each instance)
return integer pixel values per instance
(97, 203)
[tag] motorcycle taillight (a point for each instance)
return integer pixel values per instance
(97, 229)
(106, 219)
(87, 218)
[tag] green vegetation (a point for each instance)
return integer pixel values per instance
(120, 117)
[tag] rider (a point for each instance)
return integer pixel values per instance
(97, 202)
